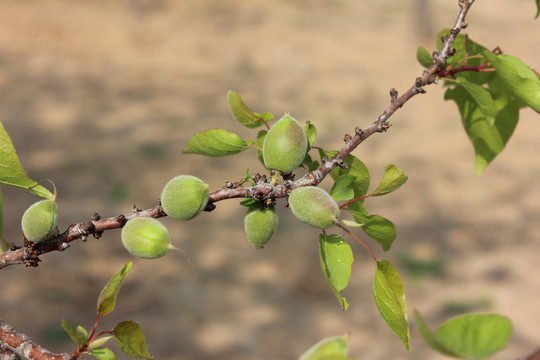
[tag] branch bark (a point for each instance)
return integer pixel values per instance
(15, 345)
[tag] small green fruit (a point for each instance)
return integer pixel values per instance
(146, 238)
(260, 225)
(285, 145)
(314, 207)
(39, 221)
(184, 197)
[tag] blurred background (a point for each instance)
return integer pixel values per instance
(102, 96)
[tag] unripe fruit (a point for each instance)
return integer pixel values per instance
(285, 145)
(260, 225)
(146, 238)
(184, 197)
(314, 207)
(39, 220)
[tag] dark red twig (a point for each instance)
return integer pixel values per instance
(351, 234)
(485, 67)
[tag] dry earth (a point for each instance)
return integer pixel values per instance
(101, 97)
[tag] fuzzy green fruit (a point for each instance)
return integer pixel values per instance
(184, 197)
(314, 207)
(39, 221)
(260, 225)
(285, 145)
(146, 238)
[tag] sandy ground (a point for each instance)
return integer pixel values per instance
(101, 97)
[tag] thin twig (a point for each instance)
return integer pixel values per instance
(350, 233)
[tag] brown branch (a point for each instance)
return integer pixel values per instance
(29, 253)
(264, 190)
(6, 354)
(21, 346)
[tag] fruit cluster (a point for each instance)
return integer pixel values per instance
(184, 197)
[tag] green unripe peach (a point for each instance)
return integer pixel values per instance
(314, 207)
(260, 225)
(146, 238)
(39, 220)
(285, 145)
(184, 197)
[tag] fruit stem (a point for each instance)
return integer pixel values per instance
(52, 183)
(357, 239)
(265, 123)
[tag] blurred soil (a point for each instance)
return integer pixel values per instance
(101, 96)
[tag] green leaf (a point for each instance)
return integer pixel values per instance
(472, 336)
(130, 339)
(250, 203)
(311, 133)
(381, 230)
(245, 115)
(102, 354)
(355, 168)
(349, 223)
(375, 226)
(79, 337)
(521, 81)
(488, 141)
(310, 163)
(247, 178)
(343, 188)
(390, 299)
(334, 347)
(99, 341)
(424, 57)
(107, 298)
(482, 98)
(393, 178)
(475, 336)
(259, 142)
(12, 173)
(82, 330)
(336, 260)
(538, 9)
(215, 142)
(429, 337)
